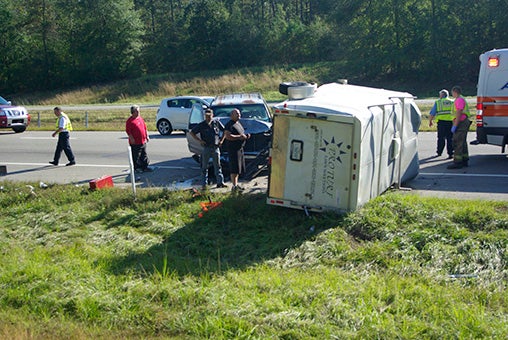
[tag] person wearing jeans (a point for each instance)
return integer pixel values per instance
(210, 138)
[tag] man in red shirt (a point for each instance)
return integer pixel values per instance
(138, 137)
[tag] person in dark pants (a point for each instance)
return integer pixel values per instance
(63, 126)
(210, 131)
(135, 128)
(236, 136)
(460, 127)
(440, 113)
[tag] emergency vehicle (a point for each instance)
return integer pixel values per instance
(337, 146)
(492, 99)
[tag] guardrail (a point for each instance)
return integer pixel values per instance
(95, 119)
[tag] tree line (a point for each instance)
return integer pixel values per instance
(53, 44)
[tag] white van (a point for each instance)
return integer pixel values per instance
(336, 146)
(492, 99)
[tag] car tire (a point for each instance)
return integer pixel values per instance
(164, 127)
(19, 129)
(283, 87)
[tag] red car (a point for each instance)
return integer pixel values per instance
(13, 117)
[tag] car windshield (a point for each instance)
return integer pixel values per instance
(3, 101)
(248, 111)
(208, 100)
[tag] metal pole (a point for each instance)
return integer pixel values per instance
(86, 119)
(405, 110)
(133, 175)
(38, 119)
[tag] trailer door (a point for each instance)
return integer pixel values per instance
(311, 162)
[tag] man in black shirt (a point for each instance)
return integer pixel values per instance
(236, 136)
(210, 137)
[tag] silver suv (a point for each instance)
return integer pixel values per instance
(256, 119)
(13, 117)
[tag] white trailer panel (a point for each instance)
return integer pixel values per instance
(341, 147)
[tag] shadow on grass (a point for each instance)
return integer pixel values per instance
(243, 232)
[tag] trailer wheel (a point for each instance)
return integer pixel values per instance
(283, 87)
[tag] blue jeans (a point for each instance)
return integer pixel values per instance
(214, 152)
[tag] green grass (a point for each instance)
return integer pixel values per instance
(152, 89)
(97, 264)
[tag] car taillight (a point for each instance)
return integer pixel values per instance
(479, 115)
(493, 61)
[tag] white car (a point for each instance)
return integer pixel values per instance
(173, 113)
(13, 117)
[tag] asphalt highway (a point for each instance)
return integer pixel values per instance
(26, 156)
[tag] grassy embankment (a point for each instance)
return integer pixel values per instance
(80, 264)
(150, 90)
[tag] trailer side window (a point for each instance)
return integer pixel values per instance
(416, 119)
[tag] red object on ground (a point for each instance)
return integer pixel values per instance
(100, 183)
(206, 206)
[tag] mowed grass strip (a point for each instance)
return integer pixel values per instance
(91, 120)
(99, 264)
(152, 89)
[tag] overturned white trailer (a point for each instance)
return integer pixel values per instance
(337, 146)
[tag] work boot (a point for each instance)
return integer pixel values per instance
(455, 166)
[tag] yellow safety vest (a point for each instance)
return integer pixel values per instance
(68, 125)
(443, 109)
(465, 111)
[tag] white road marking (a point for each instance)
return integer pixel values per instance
(45, 138)
(462, 175)
(99, 165)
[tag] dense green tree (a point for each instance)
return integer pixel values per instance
(58, 43)
(102, 39)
